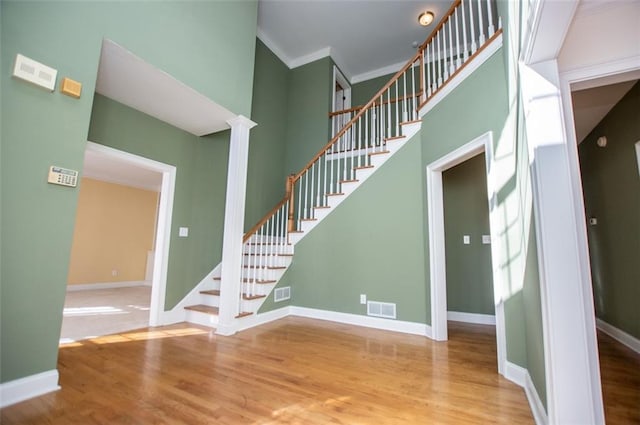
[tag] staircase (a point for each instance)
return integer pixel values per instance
(372, 134)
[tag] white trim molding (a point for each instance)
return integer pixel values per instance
(476, 318)
(437, 260)
(230, 285)
(31, 386)
(520, 376)
(366, 321)
(107, 285)
(619, 335)
(163, 224)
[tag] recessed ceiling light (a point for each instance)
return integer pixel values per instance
(425, 18)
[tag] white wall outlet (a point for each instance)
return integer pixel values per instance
(466, 239)
(363, 298)
(486, 239)
(114, 272)
(593, 221)
(183, 232)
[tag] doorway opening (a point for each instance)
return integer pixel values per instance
(437, 248)
(604, 114)
(128, 304)
(341, 101)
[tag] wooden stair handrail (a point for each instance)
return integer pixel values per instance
(384, 102)
(293, 178)
(264, 219)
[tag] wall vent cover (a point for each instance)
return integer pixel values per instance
(281, 294)
(34, 72)
(380, 309)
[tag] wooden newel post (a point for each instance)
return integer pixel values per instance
(289, 190)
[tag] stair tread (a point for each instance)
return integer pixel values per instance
(322, 207)
(211, 292)
(277, 255)
(265, 267)
(245, 280)
(308, 219)
(393, 138)
(349, 181)
(214, 311)
(363, 167)
(204, 309)
(335, 194)
(252, 297)
(379, 153)
(410, 122)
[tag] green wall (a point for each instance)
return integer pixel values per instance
(40, 129)
(466, 212)
(363, 91)
(309, 103)
(368, 246)
(201, 178)
(266, 174)
(611, 186)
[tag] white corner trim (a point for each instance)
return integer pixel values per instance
(107, 285)
(311, 57)
(619, 335)
(471, 67)
(18, 390)
(516, 374)
(385, 70)
(537, 408)
(261, 319)
(366, 321)
(479, 319)
(273, 47)
(520, 376)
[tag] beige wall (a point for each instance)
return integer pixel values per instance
(114, 230)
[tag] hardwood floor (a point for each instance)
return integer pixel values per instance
(292, 371)
(620, 375)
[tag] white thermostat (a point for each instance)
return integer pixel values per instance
(63, 176)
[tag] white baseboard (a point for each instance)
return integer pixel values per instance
(538, 410)
(619, 335)
(18, 390)
(366, 321)
(261, 319)
(107, 285)
(479, 319)
(520, 376)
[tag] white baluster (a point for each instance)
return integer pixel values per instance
(458, 59)
(367, 116)
(359, 142)
(438, 60)
(492, 29)
(388, 134)
(318, 201)
(412, 103)
(480, 24)
(464, 33)
(405, 116)
(299, 202)
(474, 47)
(452, 66)
(313, 172)
(396, 107)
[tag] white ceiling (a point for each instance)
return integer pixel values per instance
(126, 78)
(591, 105)
(106, 168)
(366, 38)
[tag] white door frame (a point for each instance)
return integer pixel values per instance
(163, 226)
(437, 259)
(344, 83)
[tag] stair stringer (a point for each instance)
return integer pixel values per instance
(211, 281)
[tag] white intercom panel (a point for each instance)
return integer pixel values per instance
(63, 176)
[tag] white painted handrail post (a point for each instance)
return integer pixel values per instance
(230, 286)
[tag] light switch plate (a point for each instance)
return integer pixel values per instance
(486, 239)
(35, 72)
(363, 298)
(466, 239)
(183, 232)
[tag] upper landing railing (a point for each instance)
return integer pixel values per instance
(467, 28)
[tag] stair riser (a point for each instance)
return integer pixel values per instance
(203, 319)
(274, 261)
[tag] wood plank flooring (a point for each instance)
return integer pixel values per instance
(620, 375)
(293, 371)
